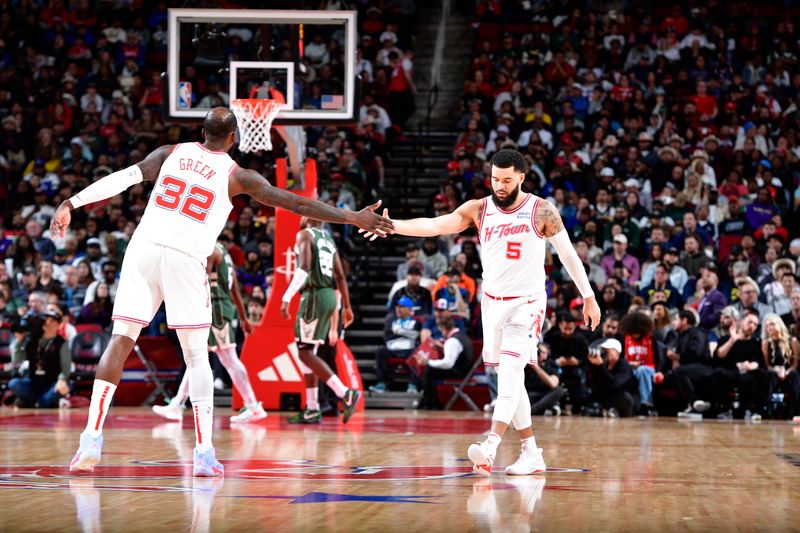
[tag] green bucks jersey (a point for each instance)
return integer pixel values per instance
(221, 282)
(323, 249)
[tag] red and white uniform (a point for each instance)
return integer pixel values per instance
(166, 258)
(512, 253)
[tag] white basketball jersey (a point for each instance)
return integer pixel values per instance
(189, 204)
(512, 250)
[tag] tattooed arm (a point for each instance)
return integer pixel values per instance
(548, 223)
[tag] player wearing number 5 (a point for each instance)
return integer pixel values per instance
(318, 265)
(166, 261)
(513, 227)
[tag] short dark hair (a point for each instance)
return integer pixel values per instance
(448, 324)
(510, 158)
(688, 315)
(219, 123)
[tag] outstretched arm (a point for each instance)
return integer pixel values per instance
(549, 224)
(245, 181)
(468, 214)
(111, 185)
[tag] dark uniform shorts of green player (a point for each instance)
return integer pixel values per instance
(313, 324)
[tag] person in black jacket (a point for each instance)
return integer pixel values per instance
(542, 383)
(455, 363)
(569, 348)
(690, 363)
(612, 379)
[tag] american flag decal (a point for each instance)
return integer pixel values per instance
(332, 101)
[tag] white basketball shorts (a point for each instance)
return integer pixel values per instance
(152, 273)
(499, 314)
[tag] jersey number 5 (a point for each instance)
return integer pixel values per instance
(195, 204)
(514, 250)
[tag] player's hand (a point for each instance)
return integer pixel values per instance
(62, 387)
(61, 219)
(247, 327)
(285, 311)
(591, 312)
(372, 223)
(347, 317)
(333, 337)
(371, 235)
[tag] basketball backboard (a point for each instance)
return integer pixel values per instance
(217, 55)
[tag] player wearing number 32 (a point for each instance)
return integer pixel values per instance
(166, 261)
(513, 227)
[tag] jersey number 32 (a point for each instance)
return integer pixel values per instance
(194, 204)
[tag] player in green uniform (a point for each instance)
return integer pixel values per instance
(317, 266)
(226, 302)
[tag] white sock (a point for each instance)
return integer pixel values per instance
(529, 443)
(493, 440)
(102, 393)
(312, 402)
(336, 385)
(238, 372)
(203, 421)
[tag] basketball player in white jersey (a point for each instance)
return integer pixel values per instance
(166, 261)
(513, 227)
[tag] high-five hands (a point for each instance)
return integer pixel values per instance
(372, 235)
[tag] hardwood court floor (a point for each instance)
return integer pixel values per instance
(399, 471)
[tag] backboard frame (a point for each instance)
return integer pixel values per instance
(176, 16)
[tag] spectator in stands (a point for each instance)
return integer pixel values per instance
(455, 363)
(457, 298)
(412, 257)
(748, 298)
(620, 258)
(109, 272)
(432, 257)
(47, 374)
(401, 332)
(543, 385)
(712, 301)
(677, 274)
(431, 329)
(737, 359)
(792, 318)
(693, 257)
(780, 350)
(98, 310)
(571, 349)
(419, 296)
(661, 284)
(643, 353)
(611, 379)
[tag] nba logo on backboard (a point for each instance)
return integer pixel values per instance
(184, 95)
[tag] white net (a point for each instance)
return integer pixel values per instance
(255, 120)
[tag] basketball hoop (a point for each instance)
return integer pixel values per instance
(255, 118)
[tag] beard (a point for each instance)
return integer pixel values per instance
(508, 201)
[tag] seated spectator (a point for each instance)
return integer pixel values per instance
(46, 377)
(456, 297)
(455, 363)
(748, 298)
(737, 361)
(431, 329)
(677, 274)
(792, 318)
(419, 296)
(412, 257)
(643, 354)
(780, 352)
(432, 257)
(542, 383)
(611, 379)
(99, 310)
(571, 349)
(620, 253)
(693, 257)
(109, 272)
(712, 301)
(781, 302)
(401, 332)
(662, 284)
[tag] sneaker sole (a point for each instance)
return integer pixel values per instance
(205, 472)
(253, 418)
(527, 473)
(84, 464)
(480, 463)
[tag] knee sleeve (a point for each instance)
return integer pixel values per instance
(522, 416)
(510, 384)
(193, 339)
(127, 329)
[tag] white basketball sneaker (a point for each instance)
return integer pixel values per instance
(482, 458)
(530, 461)
(171, 411)
(250, 414)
